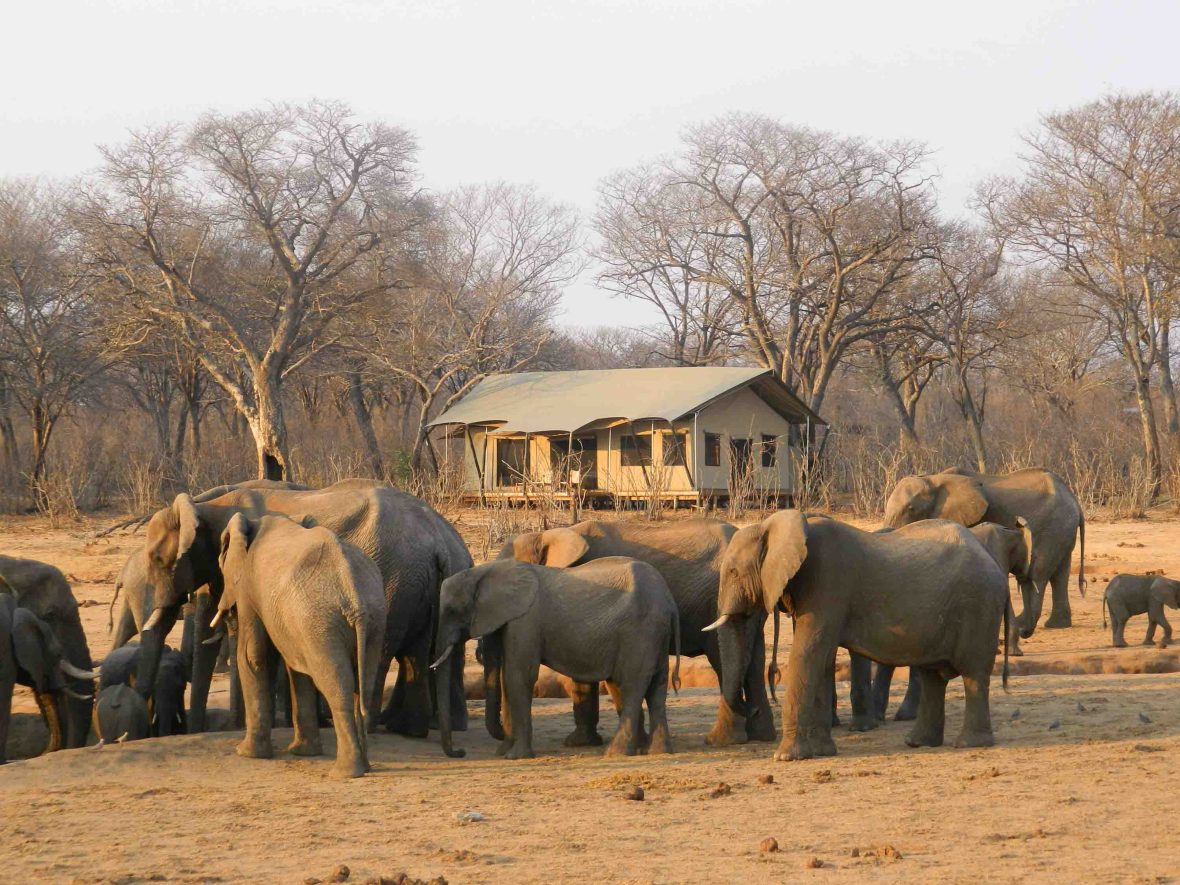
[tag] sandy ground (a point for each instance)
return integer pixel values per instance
(1082, 785)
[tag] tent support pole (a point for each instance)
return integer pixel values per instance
(475, 461)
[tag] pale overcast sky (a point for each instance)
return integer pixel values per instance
(561, 93)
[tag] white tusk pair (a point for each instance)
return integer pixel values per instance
(77, 672)
(446, 654)
(717, 623)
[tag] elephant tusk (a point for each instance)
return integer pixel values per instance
(446, 654)
(717, 623)
(216, 618)
(78, 695)
(153, 619)
(214, 639)
(77, 672)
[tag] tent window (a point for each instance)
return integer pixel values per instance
(769, 450)
(511, 461)
(712, 449)
(676, 449)
(635, 451)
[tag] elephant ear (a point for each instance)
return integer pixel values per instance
(503, 593)
(1026, 531)
(524, 548)
(784, 548)
(188, 520)
(561, 548)
(31, 644)
(960, 499)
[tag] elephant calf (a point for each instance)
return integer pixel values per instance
(165, 705)
(1129, 595)
(120, 714)
(318, 600)
(611, 620)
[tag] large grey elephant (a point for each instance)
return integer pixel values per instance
(43, 590)
(932, 600)
(611, 620)
(413, 547)
(318, 601)
(1040, 496)
(1012, 551)
(688, 555)
(31, 655)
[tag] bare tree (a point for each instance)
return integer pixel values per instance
(247, 237)
(51, 338)
(488, 281)
(1099, 203)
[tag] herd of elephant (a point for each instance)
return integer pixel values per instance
(330, 585)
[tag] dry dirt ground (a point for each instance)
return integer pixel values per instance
(1082, 785)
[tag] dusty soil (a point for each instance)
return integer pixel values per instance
(1082, 785)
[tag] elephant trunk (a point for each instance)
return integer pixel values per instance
(151, 645)
(442, 687)
(731, 640)
(77, 709)
(204, 658)
(1033, 603)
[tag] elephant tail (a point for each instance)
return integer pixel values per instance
(772, 674)
(676, 641)
(1103, 611)
(1008, 618)
(1082, 557)
(111, 607)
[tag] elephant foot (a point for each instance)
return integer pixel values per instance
(1119, 643)
(1163, 643)
(624, 749)
(1148, 642)
(1016, 651)
(1059, 621)
(864, 723)
(520, 753)
(761, 727)
(724, 735)
(345, 769)
(801, 748)
(581, 738)
(924, 737)
(305, 747)
(661, 742)
(976, 739)
(503, 747)
(255, 747)
(905, 714)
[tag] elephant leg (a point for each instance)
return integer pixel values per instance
(1149, 637)
(237, 709)
(343, 696)
(657, 710)
(616, 696)
(977, 717)
(305, 708)
(284, 687)
(204, 660)
(882, 679)
(254, 651)
(1156, 617)
(520, 680)
(808, 695)
(864, 717)
(409, 711)
(6, 686)
(493, 678)
(1118, 622)
(760, 718)
(585, 698)
(725, 731)
(1061, 615)
(931, 721)
(377, 692)
(912, 701)
(627, 741)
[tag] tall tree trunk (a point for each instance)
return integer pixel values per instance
(1151, 442)
(907, 429)
(1168, 392)
(364, 420)
(270, 432)
(974, 421)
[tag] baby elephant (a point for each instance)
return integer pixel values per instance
(120, 714)
(320, 602)
(1129, 595)
(166, 705)
(612, 619)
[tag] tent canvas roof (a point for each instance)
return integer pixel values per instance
(539, 402)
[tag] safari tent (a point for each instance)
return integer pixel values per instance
(679, 435)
